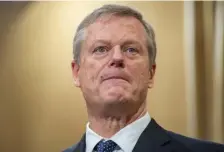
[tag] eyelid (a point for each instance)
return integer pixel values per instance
(100, 47)
(131, 47)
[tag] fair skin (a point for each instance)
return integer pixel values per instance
(114, 73)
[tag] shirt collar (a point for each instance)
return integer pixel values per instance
(126, 138)
(92, 139)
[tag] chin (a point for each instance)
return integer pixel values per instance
(115, 97)
(115, 94)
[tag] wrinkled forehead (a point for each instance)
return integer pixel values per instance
(116, 28)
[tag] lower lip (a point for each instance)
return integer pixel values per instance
(116, 80)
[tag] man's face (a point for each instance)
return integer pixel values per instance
(114, 64)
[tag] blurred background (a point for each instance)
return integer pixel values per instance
(42, 111)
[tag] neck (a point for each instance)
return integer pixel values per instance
(107, 126)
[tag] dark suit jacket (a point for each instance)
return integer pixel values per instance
(156, 139)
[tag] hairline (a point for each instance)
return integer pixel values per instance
(81, 35)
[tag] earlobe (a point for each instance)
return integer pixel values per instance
(76, 82)
(150, 85)
(75, 71)
(151, 82)
(152, 74)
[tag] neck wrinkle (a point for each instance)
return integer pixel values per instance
(108, 126)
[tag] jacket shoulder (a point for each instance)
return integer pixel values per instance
(70, 149)
(197, 145)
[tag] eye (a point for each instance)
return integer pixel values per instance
(131, 50)
(100, 50)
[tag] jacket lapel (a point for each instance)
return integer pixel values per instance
(155, 139)
(81, 146)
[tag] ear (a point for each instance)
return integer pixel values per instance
(75, 73)
(152, 74)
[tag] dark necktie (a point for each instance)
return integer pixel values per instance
(106, 146)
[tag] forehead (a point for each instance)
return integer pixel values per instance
(116, 29)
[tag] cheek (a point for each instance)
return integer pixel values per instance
(89, 72)
(140, 73)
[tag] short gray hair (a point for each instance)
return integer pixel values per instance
(118, 10)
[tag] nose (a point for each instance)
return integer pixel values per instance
(117, 58)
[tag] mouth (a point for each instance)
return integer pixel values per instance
(115, 78)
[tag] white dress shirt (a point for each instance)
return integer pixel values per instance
(126, 138)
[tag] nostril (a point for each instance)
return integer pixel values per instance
(119, 64)
(112, 64)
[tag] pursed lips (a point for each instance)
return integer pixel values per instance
(115, 77)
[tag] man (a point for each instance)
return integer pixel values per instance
(114, 65)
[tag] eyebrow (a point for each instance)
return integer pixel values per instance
(132, 42)
(108, 42)
(126, 42)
